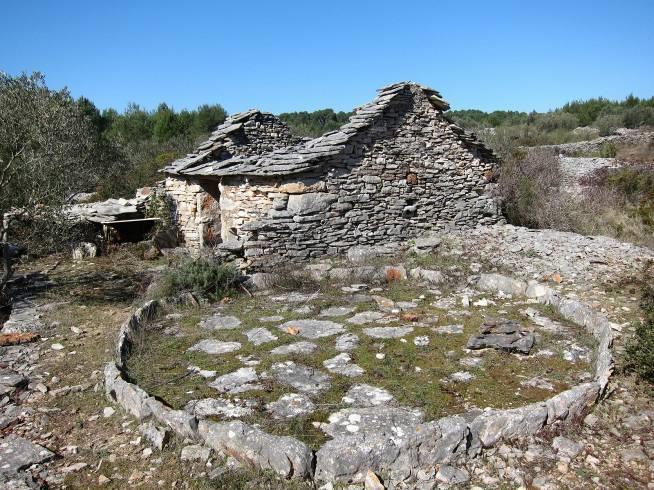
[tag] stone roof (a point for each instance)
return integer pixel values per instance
(309, 154)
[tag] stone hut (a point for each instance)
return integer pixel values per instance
(397, 170)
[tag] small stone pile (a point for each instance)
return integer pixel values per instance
(502, 334)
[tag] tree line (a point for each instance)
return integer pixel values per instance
(600, 116)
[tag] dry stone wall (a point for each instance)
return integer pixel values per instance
(409, 173)
(197, 212)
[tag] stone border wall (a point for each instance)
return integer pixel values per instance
(448, 440)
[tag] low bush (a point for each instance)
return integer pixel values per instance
(529, 187)
(552, 121)
(608, 123)
(201, 276)
(640, 348)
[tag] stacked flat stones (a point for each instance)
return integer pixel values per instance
(246, 133)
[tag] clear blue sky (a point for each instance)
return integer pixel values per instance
(305, 55)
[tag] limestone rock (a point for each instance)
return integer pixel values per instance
(260, 336)
(336, 311)
(290, 406)
(366, 317)
(347, 342)
(286, 456)
(212, 346)
(301, 347)
(312, 329)
(239, 381)
(431, 276)
(452, 475)
(220, 407)
(220, 322)
(499, 283)
(364, 395)
(18, 453)
(302, 378)
(380, 419)
(449, 329)
(341, 364)
(157, 436)
(195, 453)
(566, 447)
(309, 203)
(505, 335)
(372, 482)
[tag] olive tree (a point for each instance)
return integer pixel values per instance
(48, 150)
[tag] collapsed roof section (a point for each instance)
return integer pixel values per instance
(241, 134)
(307, 155)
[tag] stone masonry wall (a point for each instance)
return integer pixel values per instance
(188, 197)
(407, 174)
(197, 212)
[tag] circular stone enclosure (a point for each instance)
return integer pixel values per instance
(391, 379)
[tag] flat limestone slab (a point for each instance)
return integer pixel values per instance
(212, 346)
(387, 332)
(241, 380)
(364, 395)
(506, 335)
(260, 336)
(312, 329)
(290, 406)
(301, 347)
(271, 319)
(449, 329)
(342, 364)
(220, 322)
(336, 311)
(220, 407)
(394, 421)
(17, 453)
(302, 378)
(347, 342)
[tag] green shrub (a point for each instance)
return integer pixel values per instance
(552, 121)
(639, 116)
(608, 123)
(160, 206)
(201, 276)
(640, 348)
(608, 150)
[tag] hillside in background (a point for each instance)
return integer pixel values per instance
(575, 121)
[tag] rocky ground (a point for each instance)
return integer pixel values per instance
(59, 430)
